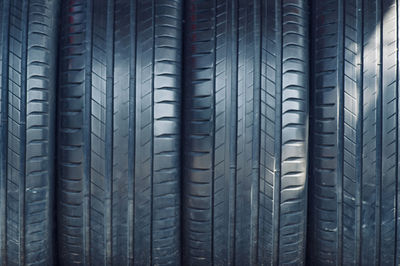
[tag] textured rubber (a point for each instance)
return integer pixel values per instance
(27, 106)
(119, 126)
(354, 193)
(245, 135)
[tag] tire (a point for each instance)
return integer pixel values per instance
(27, 105)
(246, 103)
(119, 126)
(354, 199)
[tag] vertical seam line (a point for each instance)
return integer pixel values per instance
(278, 131)
(87, 136)
(131, 141)
(340, 134)
(4, 126)
(227, 115)
(306, 26)
(379, 131)
(235, 12)
(213, 130)
(152, 131)
(359, 130)
(109, 128)
(397, 135)
(261, 227)
(230, 109)
(256, 151)
(23, 130)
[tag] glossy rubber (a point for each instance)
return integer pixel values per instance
(246, 132)
(119, 126)
(354, 197)
(27, 106)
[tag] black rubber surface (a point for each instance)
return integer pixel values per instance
(355, 190)
(119, 126)
(27, 106)
(245, 136)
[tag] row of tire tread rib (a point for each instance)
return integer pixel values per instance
(246, 87)
(28, 42)
(355, 132)
(120, 136)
